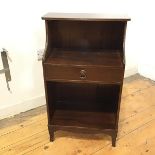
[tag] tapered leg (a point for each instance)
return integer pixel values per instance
(51, 132)
(51, 137)
(113, 136)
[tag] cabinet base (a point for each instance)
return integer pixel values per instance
(53, 128)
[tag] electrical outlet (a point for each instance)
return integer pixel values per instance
(40, 54)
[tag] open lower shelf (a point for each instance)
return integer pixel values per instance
(104, 106)
(83, 97)
(95, 120)
(100, 57)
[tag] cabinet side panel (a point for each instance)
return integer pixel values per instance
(49, 42)
(123, 43)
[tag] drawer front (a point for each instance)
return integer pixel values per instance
(82, 73)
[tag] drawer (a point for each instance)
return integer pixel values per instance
(83, 73)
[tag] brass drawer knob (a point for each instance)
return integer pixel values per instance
(83, 74)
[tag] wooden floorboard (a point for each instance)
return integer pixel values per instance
(27, 133)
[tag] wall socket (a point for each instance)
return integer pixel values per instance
(40, 54)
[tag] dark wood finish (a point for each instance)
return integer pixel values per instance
(82, 96)
(90, 74)
(70, 118)
(83, 67)
(107, 58)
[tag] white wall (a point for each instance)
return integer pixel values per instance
(22, 37)
(22, 33)
(146, 40)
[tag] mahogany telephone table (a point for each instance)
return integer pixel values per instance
(83, 67)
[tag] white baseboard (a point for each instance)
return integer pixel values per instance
(147, 71)
(22, 107)
(39, 101)
(130, 71)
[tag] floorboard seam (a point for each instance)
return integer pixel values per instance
(3, 134)
(143, 110)
(20, 140)
(123, 136)
(34, 149)
(139, 90)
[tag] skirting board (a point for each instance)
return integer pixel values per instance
(22, 107)
(147, 71)
(130, 71)
(39, 101)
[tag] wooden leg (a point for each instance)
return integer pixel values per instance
(51, 132)
(113, 136)
(51, 137)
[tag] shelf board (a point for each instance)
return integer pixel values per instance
(94, 120)
(107, 58)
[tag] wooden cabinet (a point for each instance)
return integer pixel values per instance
(83, 66)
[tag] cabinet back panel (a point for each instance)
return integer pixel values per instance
(86, 34)
(86, 97)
